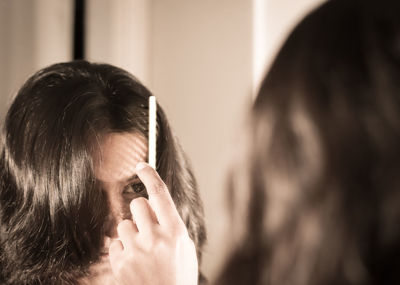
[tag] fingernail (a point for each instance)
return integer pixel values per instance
(141, 165)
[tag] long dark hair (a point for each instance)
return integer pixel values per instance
(51, 209)
(319, 169)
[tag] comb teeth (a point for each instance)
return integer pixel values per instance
(152, 131)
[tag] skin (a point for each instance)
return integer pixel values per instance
(115, 170)
(146, 241)
(154, 246)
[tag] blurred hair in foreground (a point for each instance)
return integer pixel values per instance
(317, 184)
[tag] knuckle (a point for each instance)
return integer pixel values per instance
(176, 232)
(113, 247)
(151, 245)
(153, 240)
(119, 268)
(180, 230)
(124, 224)
(159, 187)
(138, 200)
(130, 255)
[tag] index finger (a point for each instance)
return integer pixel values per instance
(159, 196)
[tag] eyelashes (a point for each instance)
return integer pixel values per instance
(135, 188)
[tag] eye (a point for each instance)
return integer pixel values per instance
(134, 188)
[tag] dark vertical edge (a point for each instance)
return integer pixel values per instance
(79, 29)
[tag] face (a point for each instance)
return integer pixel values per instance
(115, 171)
(115, 165)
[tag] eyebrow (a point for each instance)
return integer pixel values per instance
(133, 177)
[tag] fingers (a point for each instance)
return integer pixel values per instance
(159, 196)
(126, 231)
(143, 215)
(156, 248)
(115, 251)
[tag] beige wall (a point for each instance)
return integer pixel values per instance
(16, 57)
(202, 75)
(33, 34)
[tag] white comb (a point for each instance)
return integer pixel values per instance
(152, 131)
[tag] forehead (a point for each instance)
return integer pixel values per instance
(118, 155)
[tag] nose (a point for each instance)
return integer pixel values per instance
(118, 211)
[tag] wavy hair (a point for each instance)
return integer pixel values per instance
(52, 211)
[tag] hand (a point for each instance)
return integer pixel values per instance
(155, 247)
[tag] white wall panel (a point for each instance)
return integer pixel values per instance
(119, 33)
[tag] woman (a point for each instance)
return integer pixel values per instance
(314, 196)
(71, 140)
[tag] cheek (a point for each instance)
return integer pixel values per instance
(118, 208)
(125, 208)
